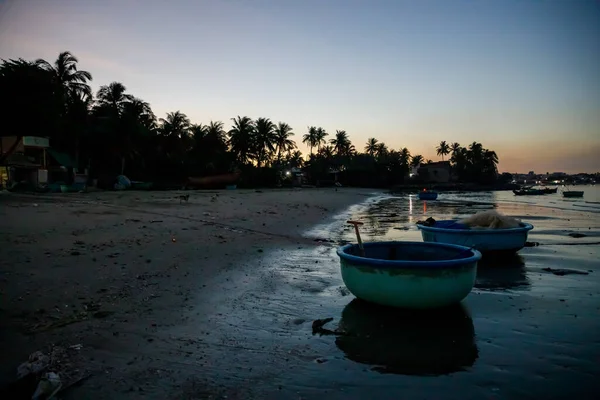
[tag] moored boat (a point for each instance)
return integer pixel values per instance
(427, 195)
(572, 193)
(489, 240)
(529, 192)
(412, 275)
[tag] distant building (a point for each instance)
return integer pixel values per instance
(26, 163)
(435, 172)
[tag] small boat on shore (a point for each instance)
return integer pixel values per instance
(529, 192)
(506, 240)
(413, 275)
(572, 193)
(428, 195)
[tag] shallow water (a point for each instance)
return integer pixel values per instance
(523, 333)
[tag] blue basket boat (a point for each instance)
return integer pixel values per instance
(508, 240)
(428, 195)
(413, 275)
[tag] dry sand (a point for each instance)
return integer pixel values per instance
(90, 268)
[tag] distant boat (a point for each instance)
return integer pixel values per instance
(425, 195)
(572, 193)
(529, 192)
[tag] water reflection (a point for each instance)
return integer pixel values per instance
(502, 273)
(405, 342)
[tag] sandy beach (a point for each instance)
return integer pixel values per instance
(215, 298)
(111, 270)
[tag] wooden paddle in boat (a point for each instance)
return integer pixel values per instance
(360, 244)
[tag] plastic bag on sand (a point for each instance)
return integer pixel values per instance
(490, 219)
(49, 385)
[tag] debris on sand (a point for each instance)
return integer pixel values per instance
(317, 326)
(48, 386)
(45, 374)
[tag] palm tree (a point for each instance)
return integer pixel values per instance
(381, 150)
(176, 124)
(416, 161)
(320, 136)
(371, 146)
(455, 147)
(405, 157)
(443, 149)
(175, 130)
(241, 137)
(341, 143)
(264, 140)
(311, 138)
(113, 98)
(198, 132)
(66, 74)
(283, 132)
(215, 133)
(30, 104)
(476, 150)
(490, 162)
(327, 152)
(295, 159)
(141, 112)
(135, 124)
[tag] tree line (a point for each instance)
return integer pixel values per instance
(114, 132)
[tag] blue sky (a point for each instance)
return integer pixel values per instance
(519, 76)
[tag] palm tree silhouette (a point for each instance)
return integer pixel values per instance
(264, 140)
(66, 74)
(341, 143)
(241, 138)
(112, 98)
(283, 132)
(311, 138)
(371, 146)
(443, 149)
(416, 160)
(320, 136)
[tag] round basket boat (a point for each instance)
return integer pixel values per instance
(413, 275)
(506, 241)
(428, 195)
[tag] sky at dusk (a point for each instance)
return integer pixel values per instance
(521, 77)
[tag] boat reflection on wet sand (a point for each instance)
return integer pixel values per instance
(396, 341)
(502, 273)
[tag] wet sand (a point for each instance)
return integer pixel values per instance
(240, 323)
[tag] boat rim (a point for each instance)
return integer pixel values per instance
(409, 264)
(525, 228)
